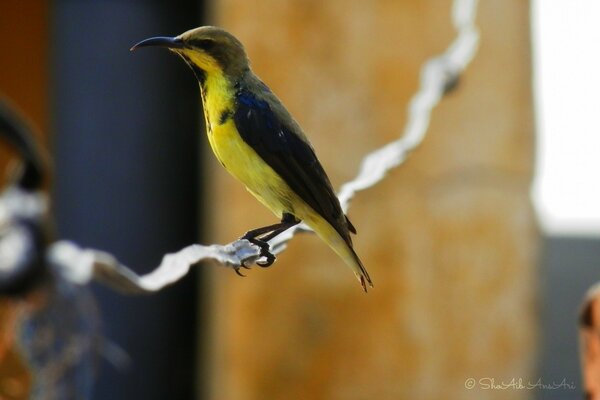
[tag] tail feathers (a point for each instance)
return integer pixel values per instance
(360, 272)
(343, 248)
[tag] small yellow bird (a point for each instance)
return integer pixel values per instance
(258, 142)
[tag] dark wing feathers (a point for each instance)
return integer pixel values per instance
(284, 150)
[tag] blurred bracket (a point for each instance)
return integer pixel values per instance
(57, 330)
(23, 209)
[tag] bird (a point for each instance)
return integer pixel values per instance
(257, 140)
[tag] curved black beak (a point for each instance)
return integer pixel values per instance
(162, 41)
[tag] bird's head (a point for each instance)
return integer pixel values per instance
(208, 48)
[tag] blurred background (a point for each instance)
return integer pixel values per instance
(481, 246)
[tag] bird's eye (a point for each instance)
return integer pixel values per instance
(204, 44)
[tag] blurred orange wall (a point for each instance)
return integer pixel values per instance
(24, 31)
(24, 40)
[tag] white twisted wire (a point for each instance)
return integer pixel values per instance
(438, 75)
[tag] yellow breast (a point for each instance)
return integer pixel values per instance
(238, 158)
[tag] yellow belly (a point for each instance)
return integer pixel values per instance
(241, 161)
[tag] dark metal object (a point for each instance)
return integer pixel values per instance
(22, 237)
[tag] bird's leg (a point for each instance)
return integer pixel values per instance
(269, 232)
(287, 221)
(252, 237)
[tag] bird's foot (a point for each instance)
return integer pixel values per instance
(237, 268)
(265, 251)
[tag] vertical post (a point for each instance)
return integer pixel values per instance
(126, 176)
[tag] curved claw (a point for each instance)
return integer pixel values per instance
(243, 265)
(237, 271)
(264, 252)
(270, 259)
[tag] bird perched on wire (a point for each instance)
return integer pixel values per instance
(258, 142)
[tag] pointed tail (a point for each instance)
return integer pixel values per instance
(342, 248)
(359, 269)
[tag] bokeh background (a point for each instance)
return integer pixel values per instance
(469, 282)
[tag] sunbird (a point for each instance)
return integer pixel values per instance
(257, 141)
